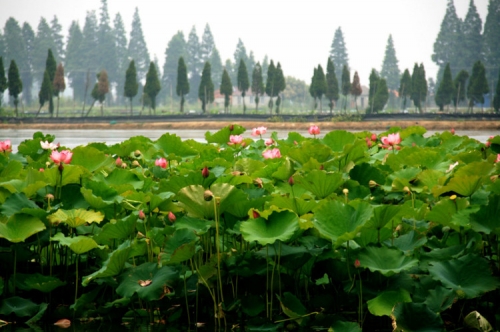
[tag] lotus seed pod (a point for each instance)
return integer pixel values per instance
(137, 153)
(453, 197)
(372, 184)
(135, 163)
(208, 195)
(124, 165)
(345, 191)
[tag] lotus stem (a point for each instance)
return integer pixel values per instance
(186, 298)
(267, 281)
(217, 245)
(76, 277)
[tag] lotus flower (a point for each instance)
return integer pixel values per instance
(171, 217)
(269, 141)
(390, 140)
(271, 154)
(5, 146)
(118, 161)
(162, 162)
(205, 172)
(235, 139)
(63, 157)
(498, 158)
(142, 215)
(259, 131)
(314, 130)
(48, 146)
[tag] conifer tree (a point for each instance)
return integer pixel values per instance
(374, 79)
(319, 86)
(72, 65)
(120, 41)
(270, 88)
(338, 52)
(206, 89)
(447, 45)
(418, 86)
(15, 48)
(3, 80)
(257, 84)
(58, 84)
(27, 73)
(280, 86)
(243, 83)
(50, 67)
(496, 98)
(43, 42)
(491, 38)
(332, 85)
(226, 88)
(15, 83)
(381, 95)
(45, 93)
(312, 88)
(445, 91)
(131, 85)
(152, 86)
(193, 62)
(346, 84)
(216, 64)
(356, 89)
(239, 54)
(137, 48)
(57, 39)
(182, 87)
(478, 85)
(390, 70)
(459, 87)
(405, 87)
(175, 50)
(472, 40)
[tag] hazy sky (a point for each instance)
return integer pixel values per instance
(297, 33)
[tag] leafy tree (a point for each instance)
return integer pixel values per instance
(381, 95)
(137, 48)
(59, 85)
(405, 87)
(239, 54)
(243, 83)
(194, 63)
(73, 66)
(270, 89)
(216, 63)
(346, 84)
(478, 85)
(45, 93)
(27, 73)
(318, 86)
(15, 83)
(491, 38)
(57, 38)
(280, 85)
(390, 70)
(257, 84)
(3, 80)
(418, 86)
(50, 68)
(206, 89)
(374, 80)
(338, 52)
(447, 45)
(471, 41)
(226, 88)
(101, 88)
(496, 98)
(356, 88)
(182, 87)
(445, 91)
(152, 86)
(332, 85)
(121, 51)
(459, 84)
(175, 50)
(251, 60)
(131, 85)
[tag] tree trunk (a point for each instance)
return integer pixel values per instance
(90, 108)
(57, 109)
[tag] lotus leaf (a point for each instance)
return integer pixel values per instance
(409, 241)
(19, 227)
(120, 229)
(416, 317)
(292, 307)
(278, 226)
(18, 306)
(445, 209)
(310, 149)
(91, 159)
(439, 299)
(320, 183)
(364, 173)
(70, 174)
(179, 247)
(172, 144)
(15, 203)
(383, 214)
(337, 139)
(383, 304)
(113, 265)
(38, 281)
(222, 136)
(464, 185)
(78, 244)
(342, 326)
(486, 219)
(76, 217)
(384, 260)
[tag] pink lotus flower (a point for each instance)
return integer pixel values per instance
(271, 154)
(63, 157)
(452, 131)
(118, 162)
(498, 158)
(391, 140)
(162, 162)
(357, 263)
(374, 137)
(488, 142)
(205, 172)
(171, 217)
(259, 131)
(142, 215)
(235, 139)
(48, 146)
(314, 130)
(5, 146)
(269, 141)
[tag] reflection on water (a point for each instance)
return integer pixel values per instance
(95, 327)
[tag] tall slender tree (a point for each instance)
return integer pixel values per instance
(257, 84)
(319, 86)
(175, 50)
(43, 41)
(381, 96)
(374, 80)
(57, 37)
(418, 86)
(107, 55)
(338, 52)
(226, 88)
(15, 83)
(459, 87)
(182, 87)
(87, 53)
(131, 85)
(405, 87)
(478, 85)
(101, 88)
(491, 38)
(239, 54)
(74, 69)
(45, 93)
(15, 47)
(120, 41)
(207, 45)
(27, 72)
(243, 83)
(445, 90)
(312, 88)
(137, 48)
(206, 88)
(280, 85)
(346, 84)
(270, 88)
(152, 86)
(58, 84)
(3, 80)
(193, 62)
(216, 63)
(472, 40)
(51, 67)
(447, 46)
(356, 89)
(496, 98)
(332, 85)
(390, 70)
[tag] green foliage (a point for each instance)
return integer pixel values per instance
(226, 88)
(332, 85)
(3, 79)
(45, 93)
(257, 84)
(131, 85)
(182, 87)
(445, 90)
(206, 88)
(243, 83)
(15, 83)
(459, 86)
(496, 98)
(405, 87)
(478, 85)
(390, 70)
(152, 86)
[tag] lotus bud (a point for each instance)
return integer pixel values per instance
(488, 143)
(372, 184)
(494, 178)
(452, 131)
(124, 165)
(321, 167)
(453, 197)
(42, 170)
(208, 195)
(171, 217)
(374, 137)
(231, 127)
(137, 153)
(142, 216)
(255, 214)
(398, 147)
(399, 228)
(135, 163)
(205, 172)
(49, 197)
(258, 182)
(237, 173)
(291, 181)
(413, 144)
(63, 323)
(357, 263)
(345, 191)
(118, 161)
(369, 144)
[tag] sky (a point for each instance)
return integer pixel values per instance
(296, 33)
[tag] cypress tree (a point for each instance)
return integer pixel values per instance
(381, 95)
(405, 87)
(152, 86)
(356, 88)
(390, 70)
(270, 88)
(27, 73)
(338, 52)
(3, 80)
(175, 50)
(312, 87)
(216, 64)
(72, 65)
(243, 83)
(193, 62)
(496, 98)
(182, 87)
(15, 83)
(257, 84)
(472, 41)
(58, 84)
(423, 87)
(478, 85)
(206, 89)
(120, 39)
(332, 85)
(137, 48)
(416, 87)
(459, 87)
(320, 86)
(239, 54)
(445, 91)
(45, 92)
(491, 38)
(448, 42)
(226, 88)
(346, 84)
(131, 85)
(280, 85)
(374, 79)
(50, 67)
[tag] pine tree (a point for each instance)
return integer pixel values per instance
(280, 86)
(239, 54)
(57, 38)
(332, 85)
(338, 52)
(216, 63)
(3, 80)
(137, 48)
(447, 46)
(491, 40)
(15, 48)
(270, 89)
(243, 83)
(346, 84)
(182, 87)
(88, 58)
(121, 50)
(257, 84)
(226, 88)
(43, 41)
(107, 56)
(320, 86)
(381, 95)
(472, 41)
(193, 62)
(50, 68)
(58, 84)
(73, 67)
(459, 87)
(356, 88)
(175, 50)
(206, 89)
(390, 70)
(374, 80)
(445, 90)
(312, 88)
(15, 83)
(405, 87)
(152, 86)
(478, 85)
(265, 67)
(207, 45)
(45, 93)
(418, 86)
(496, 98)
(131, 85)
(27, 73)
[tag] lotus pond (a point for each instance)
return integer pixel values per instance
(348, 232)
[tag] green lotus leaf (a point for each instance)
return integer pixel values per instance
(293, 308)
(429, 178)
(310, 149)
(252, 305)
(199, 226)
(385, 260)
(179, 247)
(495, 144)
(439, 299)
(76, 217)
(118, 177)
(19, 227)
(78, 244)
(38, 316)
(34, 181)
(120, 229)
(298, 205)
(442, 254)
(148, 281)
(383, 214)
(113, 265)
(247, 165)
(15, 203)
(416, 317)
(70, 174)
(130, 145)
(320, 183)
(12, 186)
(464, 185)
(469, 276)
(482, 168)
(37, 281)
(486, 219)
(12, 170)
(337, 139)
(418, 157)
(383, 304)
(364, 173)
(222, 136)
(173, 144)
(352, 155)
(445, 209)
(90, 158)
(343, 326)
(278, 226)
(284, 171)
(341, 222)
(176, 183)
(18, 306)
(409, 241)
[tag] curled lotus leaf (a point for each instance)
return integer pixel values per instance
(75, 217)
